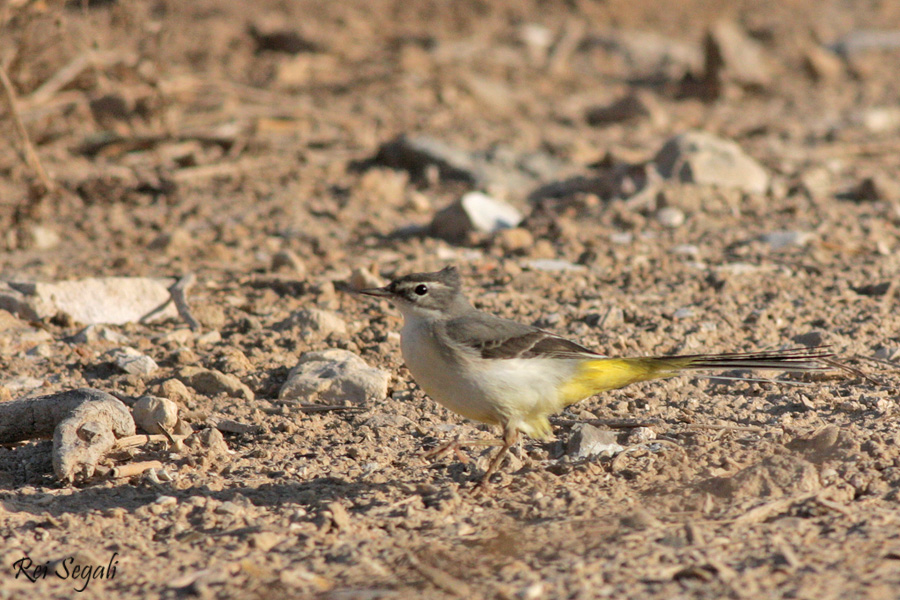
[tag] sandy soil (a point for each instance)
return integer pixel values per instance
(194, 140)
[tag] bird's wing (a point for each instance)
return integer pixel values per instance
(493, 337)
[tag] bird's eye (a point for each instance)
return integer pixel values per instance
(421, 289)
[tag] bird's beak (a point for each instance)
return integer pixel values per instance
(381, 292)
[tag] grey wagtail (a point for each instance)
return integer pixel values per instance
(505, 373)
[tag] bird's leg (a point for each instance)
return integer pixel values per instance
(455, 446)
(510, 434)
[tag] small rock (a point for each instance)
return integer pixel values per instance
(515, 240)
(289, 261)
(132, 361)
(174, 390)
(212, 383)
(363, 279)
(702, 158)
(334, 376)
(885, 353)
(881, 119)
(232, 426)
(384, 186)
(97, 333)
(823, 65)
(210, 337)
(638, 104)
(732, 56)
(670, 217)
(173, 243)
(272, 37)
(265, 540)
(640, 435)
(587, 441)
(417, 154)
(111, 300)
(811, 338)
(41, 238)
(475, 211)
(210, 439)
(554, 265)
(153, 414)
(784, 239)
(683, 313)
(339, 516)
(877, 187)
(314, 320)
(649, 55)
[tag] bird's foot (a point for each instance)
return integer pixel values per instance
(453, 446)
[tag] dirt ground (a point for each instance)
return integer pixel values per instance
(210, 137)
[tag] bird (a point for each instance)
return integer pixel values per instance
(514, 376)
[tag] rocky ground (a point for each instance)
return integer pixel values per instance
(670, 181)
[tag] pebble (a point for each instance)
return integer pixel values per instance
(784, 239)
(587, 441)
(132, 361)
(733, 56)
(211, 382)
(649, 55)
(877, 187)
(174, 390)
(881, 119)
(209, 439)
(98, 333)
(641, 435)
(811, 338)
(638, 104)
(670, 217)
(885, 353)
(516, 239)
(702, 158)
(473, 212)
(683, 313)
(265, 540)
(334, 376)
(314, 320)
(554, 265)
(42, 238)
(823, 65)
(288, 260)
(109, 300)
(363, 279)
(153, 414)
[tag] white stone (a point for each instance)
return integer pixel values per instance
(112, 300)
(475, 211)
(132, 361)
(670, 217)
(702, 158)
(334, 375)
(784, 239)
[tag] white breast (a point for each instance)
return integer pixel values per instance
(493, 391)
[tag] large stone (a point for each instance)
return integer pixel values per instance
(702, 158)
(112, 300)
(474, 212)
(334, 376)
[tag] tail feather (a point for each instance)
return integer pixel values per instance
(597, 375)
(818, 358)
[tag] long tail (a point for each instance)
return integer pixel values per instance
(597, 375)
